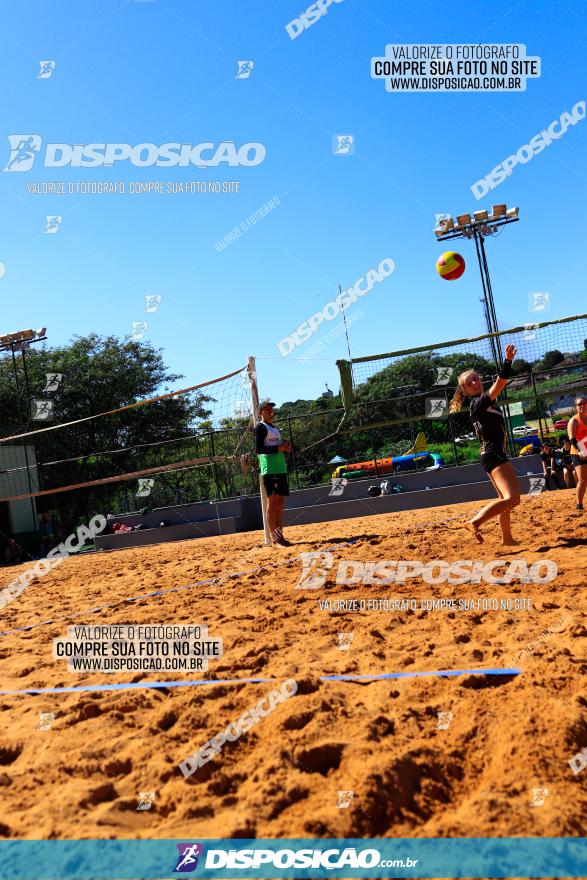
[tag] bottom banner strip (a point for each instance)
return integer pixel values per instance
(292, 858)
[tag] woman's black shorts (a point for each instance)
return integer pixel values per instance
(578, 461)
(491, 460)
(276, 483)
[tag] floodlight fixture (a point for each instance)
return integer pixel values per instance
(20, 339)
(446, 224)
(463, 220)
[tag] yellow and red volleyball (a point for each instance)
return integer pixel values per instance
(450, 266)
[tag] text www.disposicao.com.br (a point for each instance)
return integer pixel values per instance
(134, 664)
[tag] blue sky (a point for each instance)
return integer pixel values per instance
(159, 72)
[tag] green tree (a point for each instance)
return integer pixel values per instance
(99, 374)
(520, 367)
(551, 359)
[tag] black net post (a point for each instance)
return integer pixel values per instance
(214, 467)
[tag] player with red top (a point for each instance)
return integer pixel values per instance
(577, 431)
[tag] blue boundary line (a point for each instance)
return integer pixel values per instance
(441, 673)
(134, 685)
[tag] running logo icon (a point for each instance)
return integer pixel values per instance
(46, 71)
(442, 221)
(435, 408)
(53, 224)
(443, 375)
(529, 333)
(338, 485)
(536, 485)
(145, 486)
(153, 302)
(538, 796)
(344, 641)
(538, 301)
(189, 855)
(343, 144)
(53, 381)
(245, 68)
(313, 575)
(138, 329)
(344, 799)
(146, 799)
(42, 410)
(444, 719)
(23, 151)
(45, 720)
(242, 409)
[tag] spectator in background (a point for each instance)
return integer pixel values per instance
(567, 463)
(46, 526)
(46, 533)
(550, 467)
(12, 555)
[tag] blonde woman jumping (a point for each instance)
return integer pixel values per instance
(489, 424)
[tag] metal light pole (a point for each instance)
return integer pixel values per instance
(488, 301)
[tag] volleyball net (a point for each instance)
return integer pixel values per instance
(395, 387)
(180, 446)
